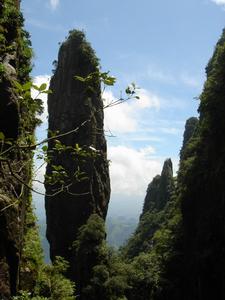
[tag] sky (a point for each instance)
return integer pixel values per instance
(163, 46)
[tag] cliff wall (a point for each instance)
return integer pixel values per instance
(202, 190)
(158, 196)
(17, 123)
(74, 105)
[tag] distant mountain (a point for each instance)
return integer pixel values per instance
(119, 230)
(44, 241)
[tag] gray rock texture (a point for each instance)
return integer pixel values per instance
(160, 189)
(74, 105)
(15, 126)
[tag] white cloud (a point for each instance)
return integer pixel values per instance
(144, 138)
(38, 80)
(118, 118)
(180, 77)
(147, 151)
(45, 26)
(174, 103)
(131, 170)
(171, 130)
(54, 4)
(124, 118)
(219, 2)
(147, 100)
(190, 80)
(157, 74)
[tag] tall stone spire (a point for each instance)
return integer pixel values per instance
(73, 105)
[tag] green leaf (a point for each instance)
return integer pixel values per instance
(47, 92)
(18, 85)
(57, 167)
(43, 87)
(45, 148)
(128, 90)
(35, 87)
(26, 94)
(77, 147)
(2, 136)
(109, 80)
(27, 86)
(79, 78)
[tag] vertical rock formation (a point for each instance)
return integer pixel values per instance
(158, 195)
(189, 132)
(171, 279)
(17, 123)
(160, 189)
(196, 270)
(75, 105)
(10, 219)
(203, 191)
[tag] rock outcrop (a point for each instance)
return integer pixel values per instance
(159, 194)
(202, 190)
(74, 106)
(190, 131)
(160, 189)
(17, 123)
(196, 268)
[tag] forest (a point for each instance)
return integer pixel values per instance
(177, 250)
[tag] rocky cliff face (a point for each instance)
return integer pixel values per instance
(158, 195)
(17, 122)
(74, 105)
(191, 130)
(196, 268)
(160, 189)
(203, 193)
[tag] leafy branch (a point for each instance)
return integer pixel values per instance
(59, 176)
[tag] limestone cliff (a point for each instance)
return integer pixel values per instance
(17, 123)
(73, 105)
(202, 190)
(160, 189)
(157, 199)
(191, 128)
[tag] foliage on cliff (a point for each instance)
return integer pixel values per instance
(156, 203)
(196, 268)
(17, 123)
(178, 249)
(186, 260)
(155, 252)
(76, 113)
(102, 275)
(20, 251)
(202, 189)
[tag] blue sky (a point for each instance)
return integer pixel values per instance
(161, 45)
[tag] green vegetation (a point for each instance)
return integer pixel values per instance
(202, 191)
(119, 229)
(177, 250)
(21, 262)
(102, 275)
(50, 284)
(32, 256)
(155, 212)
(184, 259)
(17, 123)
